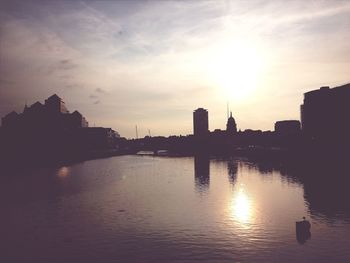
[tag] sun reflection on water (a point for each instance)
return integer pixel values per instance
(241, 208)
(63, 172)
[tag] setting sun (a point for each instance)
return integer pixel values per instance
(235, 69)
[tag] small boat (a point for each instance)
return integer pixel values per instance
(302, 230)
(303, 226)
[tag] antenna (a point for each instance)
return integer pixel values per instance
(228, 106)
(137, 134)
(25, 105)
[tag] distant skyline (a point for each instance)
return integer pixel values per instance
(151, 63)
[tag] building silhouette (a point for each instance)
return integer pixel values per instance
(325, 113)
(48, 133)
(200, 122)
(52, 115)
(10, 120)
(97, 138)
(287, 127)
(56, 105)
(231, 127)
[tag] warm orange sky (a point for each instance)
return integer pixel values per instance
(122, 63)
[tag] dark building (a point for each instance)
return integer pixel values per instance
(97, 138)
(325, 113)
(55, 104)
(75, 120)
(49, 133)
(288, 127)
(200, 122)
(231, 127)
(53, 114)
(10, 119)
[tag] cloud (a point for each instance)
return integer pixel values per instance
(61, 66)
(148, 61)
(66, 77)
(6, 82)
(99, 90)
(92, 96)
(67, 64)
(73, 86)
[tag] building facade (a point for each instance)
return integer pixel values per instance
(325, 113)
(287, 127)
(200, 122)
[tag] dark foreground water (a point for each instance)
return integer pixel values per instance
(146, 209)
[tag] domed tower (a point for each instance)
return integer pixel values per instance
(231, 126)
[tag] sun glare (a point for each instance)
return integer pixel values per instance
(241, 207)
(236, 69)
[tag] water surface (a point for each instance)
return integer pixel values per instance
(159, 209)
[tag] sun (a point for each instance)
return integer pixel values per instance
(236, 69)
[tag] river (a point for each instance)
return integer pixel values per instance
(167, 209)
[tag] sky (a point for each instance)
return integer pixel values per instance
(151, 63)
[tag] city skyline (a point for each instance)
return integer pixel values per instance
(153, 63)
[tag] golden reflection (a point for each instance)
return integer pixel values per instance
(241, 207)
(63, 172)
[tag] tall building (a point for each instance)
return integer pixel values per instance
(200, 122)
(325, 113)
(231, 127)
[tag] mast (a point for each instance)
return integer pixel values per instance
(227, 109)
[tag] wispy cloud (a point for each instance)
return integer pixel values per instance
(140, 59)
(99, 90)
